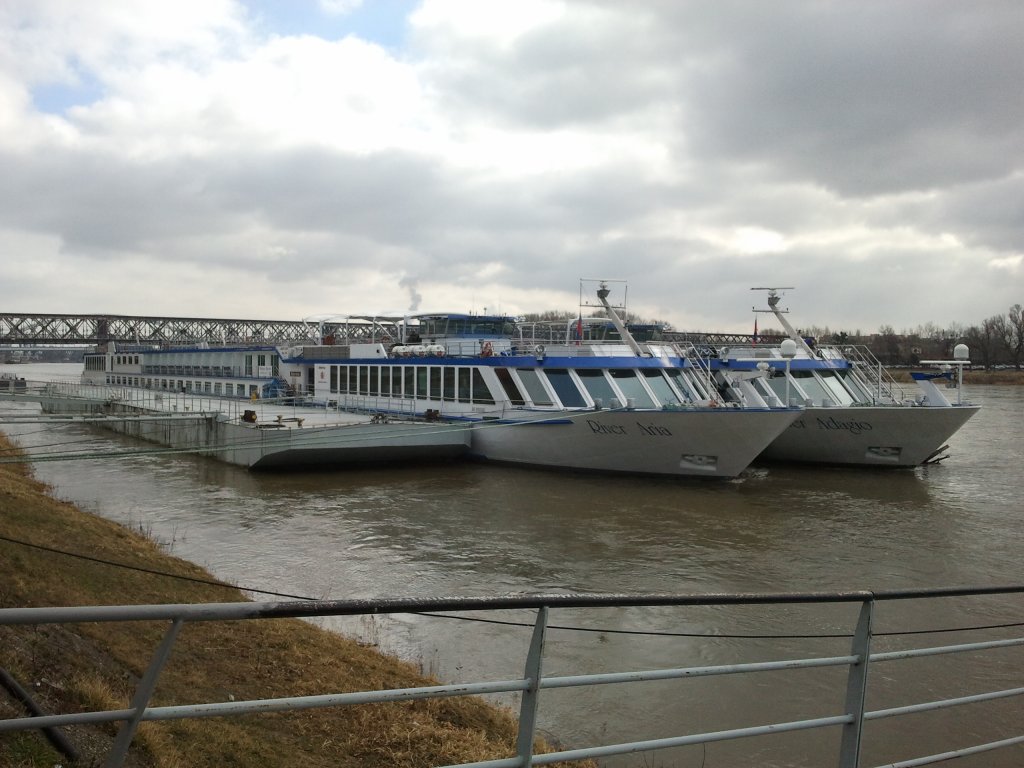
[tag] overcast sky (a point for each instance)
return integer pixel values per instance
(287, 158)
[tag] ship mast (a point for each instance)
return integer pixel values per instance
(773, 307)
(602, 294)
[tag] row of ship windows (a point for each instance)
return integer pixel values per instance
(644, 388)
(196, 370)
(464, 385)
(98, 362)
(170, 385)
(207, 370)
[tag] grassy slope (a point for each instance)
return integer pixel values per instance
(96, 665)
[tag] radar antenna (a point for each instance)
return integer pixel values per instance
(773, 298)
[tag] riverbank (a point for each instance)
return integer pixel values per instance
(971, 378)
(75, 667)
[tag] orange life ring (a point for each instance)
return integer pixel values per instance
(486, 350)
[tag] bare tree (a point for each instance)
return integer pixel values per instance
(886, 345)
(1015, 335)
(988, 341)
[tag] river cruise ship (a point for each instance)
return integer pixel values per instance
(583, 395)
(854, 412)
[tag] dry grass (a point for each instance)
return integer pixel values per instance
(73, 668)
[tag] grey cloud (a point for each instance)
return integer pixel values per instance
(861, 98)
(988, 215)
(103, 203)
(799, 117)
(566, 74)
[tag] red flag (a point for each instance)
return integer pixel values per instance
(579, 330)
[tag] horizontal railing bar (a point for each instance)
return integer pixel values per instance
(667, 743)
(293, 703)
(221, 709)
(508, 762)
(233, 611)
(572, 681)
(696, 738)
(943, 703)
(83, 419)
(79, 718)
(939, 650)
(956, 753)
(255, 610)
(962, 591)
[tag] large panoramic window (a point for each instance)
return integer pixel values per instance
(835, 387)
(508, 384)
(686, 384)
(659, 384)
(778, 385)
(597, 386)
(481, 392)
(364, 379)
(812, 386)
(435, 382)
(565, 387)
(449, 384)
(534, 386)
(632, 388)
(860, 394)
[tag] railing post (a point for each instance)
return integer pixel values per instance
(856, 688)
(531, 696)
(142, 695)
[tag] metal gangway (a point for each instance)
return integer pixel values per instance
(883, 387)
(858, 662)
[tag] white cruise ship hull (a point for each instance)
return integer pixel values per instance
(875, 436)
(702, 442)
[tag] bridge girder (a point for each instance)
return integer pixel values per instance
(18, 328)
(42, 329)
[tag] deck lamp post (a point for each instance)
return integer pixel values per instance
(788, 350)
(962, 357)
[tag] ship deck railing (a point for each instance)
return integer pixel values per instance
(876, 377)
(873, 379)
(847, 718)
(101, 398)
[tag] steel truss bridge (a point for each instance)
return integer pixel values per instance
(68, 330)
(37, 330)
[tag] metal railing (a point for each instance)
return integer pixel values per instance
(97, 399)
(533, 682)
(877, 378)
